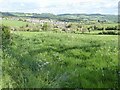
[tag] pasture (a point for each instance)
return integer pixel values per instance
(14, 23)
(55, 60)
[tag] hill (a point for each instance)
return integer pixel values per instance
(65, 17)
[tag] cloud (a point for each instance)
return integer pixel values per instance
(60, 6)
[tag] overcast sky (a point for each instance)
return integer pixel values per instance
(60, 6)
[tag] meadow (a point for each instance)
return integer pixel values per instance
(57, 60)
(13, 23)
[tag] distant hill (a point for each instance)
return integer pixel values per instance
(64, 17)
(111, 18)
(6, 14)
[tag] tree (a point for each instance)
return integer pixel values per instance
(46, 26)
(27, 25)
(89, 29)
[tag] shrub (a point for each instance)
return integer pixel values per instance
(27, 25)
(56, 30)
(46, 26)
(6, 36)
(109, 33)
(111, 28)
(118, 33)
(69, 25)
(20, 19)
(5, 32)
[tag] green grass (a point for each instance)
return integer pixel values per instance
(111, 24)
(55, 60)
(14, 23)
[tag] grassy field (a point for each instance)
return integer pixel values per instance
(14, 23)
(54, 60)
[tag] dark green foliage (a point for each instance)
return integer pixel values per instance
(27, 25)
(6, 36)
(112, 28)
(109, 33)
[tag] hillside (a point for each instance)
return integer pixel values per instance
(65, 17)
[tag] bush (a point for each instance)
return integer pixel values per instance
(5, 32)
(6, 36)
(111, 28)
(47, 27)
(109, 33)
(56, 30)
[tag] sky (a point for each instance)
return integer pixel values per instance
(60, 6)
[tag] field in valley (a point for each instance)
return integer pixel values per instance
(59, 44)
(59, 51)
(55, 60)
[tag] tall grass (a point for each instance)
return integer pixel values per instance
(55, 60)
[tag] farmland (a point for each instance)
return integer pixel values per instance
(55, 60)
(13, 23)
(54, 52)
